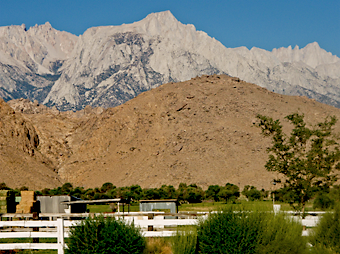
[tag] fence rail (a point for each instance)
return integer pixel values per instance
(59, 234)
(152, 225)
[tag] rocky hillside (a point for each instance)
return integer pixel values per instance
(107, 66)
(199, 131)
(21, 160)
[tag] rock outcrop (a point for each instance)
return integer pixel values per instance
(21, 161)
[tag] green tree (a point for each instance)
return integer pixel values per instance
(193, 194)
(150, 193)
(3, 186)
(323, 201)
(136, 192)
(252, 193)
(106, 187)
(167, 192)
(230, 192)
(66, 188)
(306, 158)
(77, 192)
(212, 192)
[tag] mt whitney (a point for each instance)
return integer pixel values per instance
(106, 66)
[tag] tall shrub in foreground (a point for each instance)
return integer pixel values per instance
(326, 235)
(184, 241)
(229, 231)
(242, 232)
(280, 234)
(101, 235)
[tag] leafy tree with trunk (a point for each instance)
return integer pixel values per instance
(230, 192)
(306, 158)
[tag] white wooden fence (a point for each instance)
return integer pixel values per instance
(59, 233)
(159, 225)
(60, 229)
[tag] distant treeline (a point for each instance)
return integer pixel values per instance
(184, 193)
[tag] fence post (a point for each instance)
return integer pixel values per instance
(60, 230)
(150, 217)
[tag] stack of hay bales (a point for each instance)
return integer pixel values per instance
(27, 203)
(7, 201)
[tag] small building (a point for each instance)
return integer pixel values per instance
(166, 205)
(54, 204)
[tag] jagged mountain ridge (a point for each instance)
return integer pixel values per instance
(30, 60)
(107, 66)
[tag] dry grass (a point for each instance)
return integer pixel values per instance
(158, 246)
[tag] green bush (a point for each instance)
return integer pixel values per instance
(326, 235)
(184, 241)
(245, 232)
(228, 232)
(281, 235)
(323, 201)
(104, 236)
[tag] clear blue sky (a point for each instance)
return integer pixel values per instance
(265, 24)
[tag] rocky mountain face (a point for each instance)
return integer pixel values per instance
(107, 66)
(30, 60)
(21, 161)
(198, 131)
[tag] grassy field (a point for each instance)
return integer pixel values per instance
(106, 208)
(248, 205)
(205, 206)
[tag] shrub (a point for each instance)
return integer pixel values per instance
(245, 232)
(228, 232)
(105, 235)
(281, 235)
(323, 201)
(326, 235)
(184, 241)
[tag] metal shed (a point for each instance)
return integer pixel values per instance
(159, 204)
(53, 204)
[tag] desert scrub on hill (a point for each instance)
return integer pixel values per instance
(101, 235)
(241, 231)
